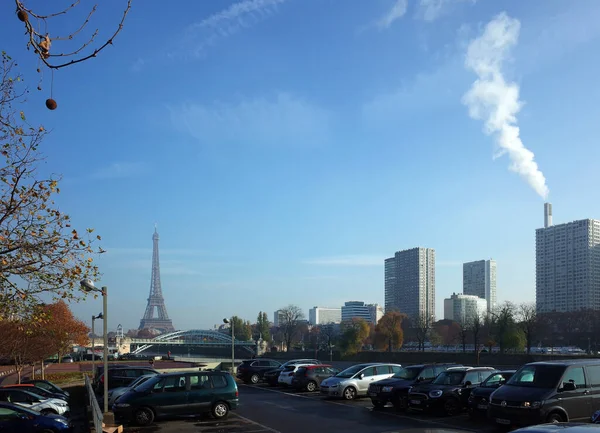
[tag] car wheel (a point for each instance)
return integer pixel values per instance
(255, 378)
(220, 410)
(144, 416)
(378, 404)
(311, 386)
(555, 418)
(349, 393)
(451, 407)
(48, 412)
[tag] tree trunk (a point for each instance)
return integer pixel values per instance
(43, 373)
(19, 369)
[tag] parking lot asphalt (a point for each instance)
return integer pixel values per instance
(263, 409)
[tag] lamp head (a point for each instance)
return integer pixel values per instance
(225, 321)
(88, 285)
(99, 316)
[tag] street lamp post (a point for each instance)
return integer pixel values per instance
(88, 285)
(230, 321)
(99, 316)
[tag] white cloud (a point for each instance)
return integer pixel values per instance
(118, 170)
(225, 23)
(397, 11)
(431, 10)
(283, 120)
(347, 260)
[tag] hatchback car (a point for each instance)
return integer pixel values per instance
(309, 377)
(272, 376)
(480, 396)
(177, 394)
(252, 370)
(354, 381)
(47, 385)
(35, 402)
(15, 418)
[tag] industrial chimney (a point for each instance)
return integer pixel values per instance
(547, 215)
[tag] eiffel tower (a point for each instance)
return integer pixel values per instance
(161, 323)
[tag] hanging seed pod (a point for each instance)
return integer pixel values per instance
(22, 15)
(51, 104)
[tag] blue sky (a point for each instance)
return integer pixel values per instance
(286, 147)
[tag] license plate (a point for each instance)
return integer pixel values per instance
(503, 421)
(482, 406)
(415, 402)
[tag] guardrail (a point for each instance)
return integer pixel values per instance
(97, 416)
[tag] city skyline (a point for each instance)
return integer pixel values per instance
(290, 183)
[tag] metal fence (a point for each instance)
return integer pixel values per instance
(93, 402)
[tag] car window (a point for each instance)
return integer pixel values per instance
(483, 375)
(199, 381)
(381, 369)
(370, 371)
(593, 374)
(17, 397)
(575, 375)
(440, 369)
(396, 369)
(427, 373)
(472, 376)
(494, 380)
(173, 384)
(274, 364)
(7, 414)
(43, 386)
(219, 381)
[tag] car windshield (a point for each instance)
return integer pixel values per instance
(148, 384)
(496, 379)
(450, 378)
(408, 373)
(27, 411)
(141, 380)
(537, 376)
(350, 371)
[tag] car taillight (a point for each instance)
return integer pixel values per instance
(237, 394)
(306, 373)
(102, 379)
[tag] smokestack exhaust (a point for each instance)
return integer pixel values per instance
(547, 215)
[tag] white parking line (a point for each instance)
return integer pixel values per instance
(395, 415)
(264, 427)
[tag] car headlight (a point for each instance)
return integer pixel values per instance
(532, 404)
(386, 388)
(334, 385)
(435, 394)
(62, 421)
(122, 405)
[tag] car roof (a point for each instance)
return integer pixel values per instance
(16, 385)
(189, 373)
(566, 362)
(465, 368)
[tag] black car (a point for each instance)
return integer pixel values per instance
(47, 385)
(449, 392)
(309, 377)
(480, 396)
(119, 377)
(252, 370)
(37, 390)
(272, 376)
(396, 388)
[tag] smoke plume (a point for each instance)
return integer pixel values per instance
(495, 101)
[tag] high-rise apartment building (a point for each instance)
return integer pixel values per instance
(463, 308)
(479, 279)
(278, 318)
(410, 283)
(324, 315)
(567, 265)
(359, 310)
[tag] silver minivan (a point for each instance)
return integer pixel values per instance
(354, 381)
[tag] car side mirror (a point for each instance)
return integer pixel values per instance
(468, 384)
(569, 386)
(361, 376)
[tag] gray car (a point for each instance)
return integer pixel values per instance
(354, 381)
(115, 393)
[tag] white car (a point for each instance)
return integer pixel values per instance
(354, 381)
(35, 402)
(285, 377)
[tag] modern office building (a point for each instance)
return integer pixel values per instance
(410, 283)
(462, 308)
(278, 318)
(479, 279)
(567, 265)
(324, 315)
(358, 309)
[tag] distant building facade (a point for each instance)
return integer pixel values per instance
(324, 315)
(479, 279)
(462, 308)
(278, 318)
(410, 283)
(567, 265)
(372, 313)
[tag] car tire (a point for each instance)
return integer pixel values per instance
(349, 393)
(555, 417)
(254, 379)
(311, 386)
(48, 412)
(220, 410)
(143, 416)
(451, 407)
(378, 404)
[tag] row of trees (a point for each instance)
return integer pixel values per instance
(45, 331)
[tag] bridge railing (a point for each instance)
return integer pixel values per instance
(97, 416)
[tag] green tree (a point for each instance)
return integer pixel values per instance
(354, 333)
(41, 254)
(263, 326)
(242, 330)
(388, 331)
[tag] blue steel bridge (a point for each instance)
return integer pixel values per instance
(198, 339)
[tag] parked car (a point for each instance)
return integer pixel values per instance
(286, 376)
(115, 393)
(119, 377)
(354, 381)
(189, 393)
(36, 390)
(48, 386)
(252, 370)
(566, 427)
(449, 392)
(309, 377)
(14, 418)
(550, 391)
(480, 396)
(35, 402)
(67, 359)
(271, 376)
(396, 388)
